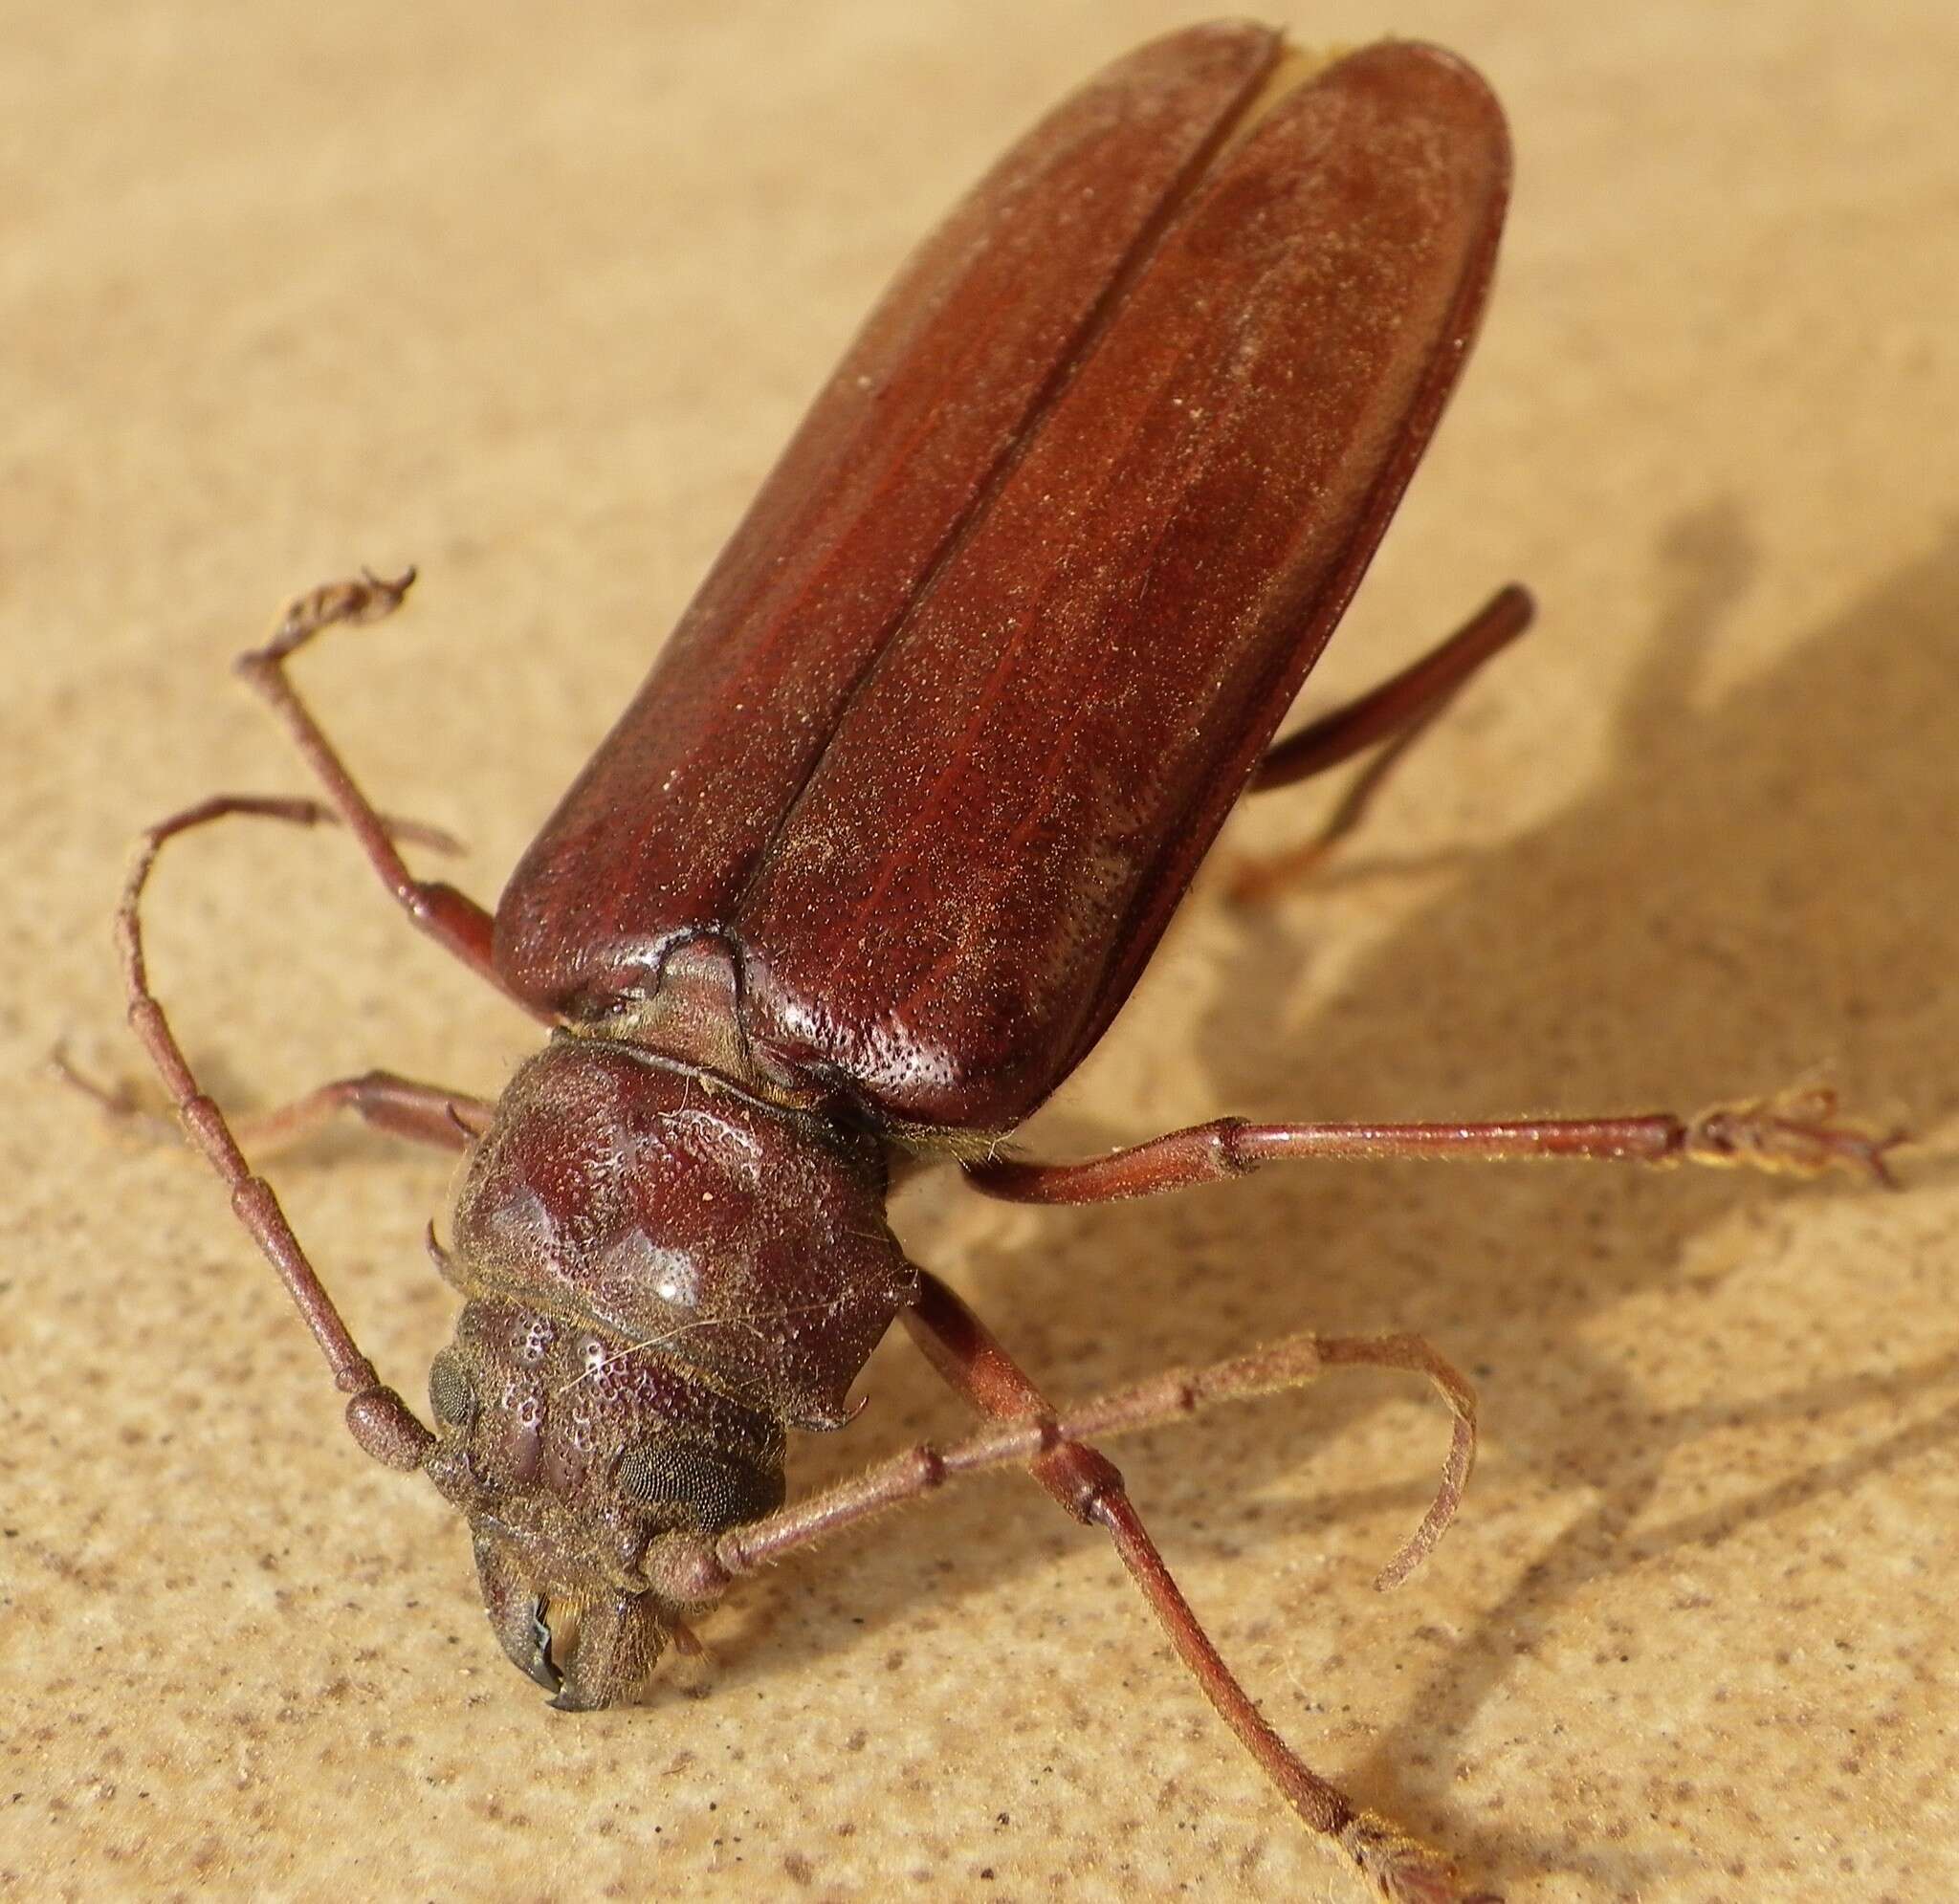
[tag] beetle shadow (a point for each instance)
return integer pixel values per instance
(1779, 860)
(1761, 880)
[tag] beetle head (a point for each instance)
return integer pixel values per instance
(593, 1475)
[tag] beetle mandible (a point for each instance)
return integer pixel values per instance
(884, 842)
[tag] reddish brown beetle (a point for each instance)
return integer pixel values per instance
(883, 844)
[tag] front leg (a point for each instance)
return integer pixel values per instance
(383, 1101)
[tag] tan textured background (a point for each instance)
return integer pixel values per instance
(532, 295)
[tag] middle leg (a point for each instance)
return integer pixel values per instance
(455, 920)
(1793, 1134)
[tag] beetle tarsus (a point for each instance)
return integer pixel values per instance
(1792, 1133)
(1402, 1869)
(355, 600)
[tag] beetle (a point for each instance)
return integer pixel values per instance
(884, 842)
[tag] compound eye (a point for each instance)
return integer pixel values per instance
(698, 1487)
(450, 1392)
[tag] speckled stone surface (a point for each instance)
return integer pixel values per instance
(531, 297)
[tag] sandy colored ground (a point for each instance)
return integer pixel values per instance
(531, 295)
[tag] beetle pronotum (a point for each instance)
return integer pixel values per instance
(884, 842)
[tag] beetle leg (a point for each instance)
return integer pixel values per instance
(397, 1106)
(1027, 1430)
(1793, 1134)
(384, 1424)
(963, 1350)
(1398, 711)
(453, 919)
(1419, 693)
(400, 1106)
